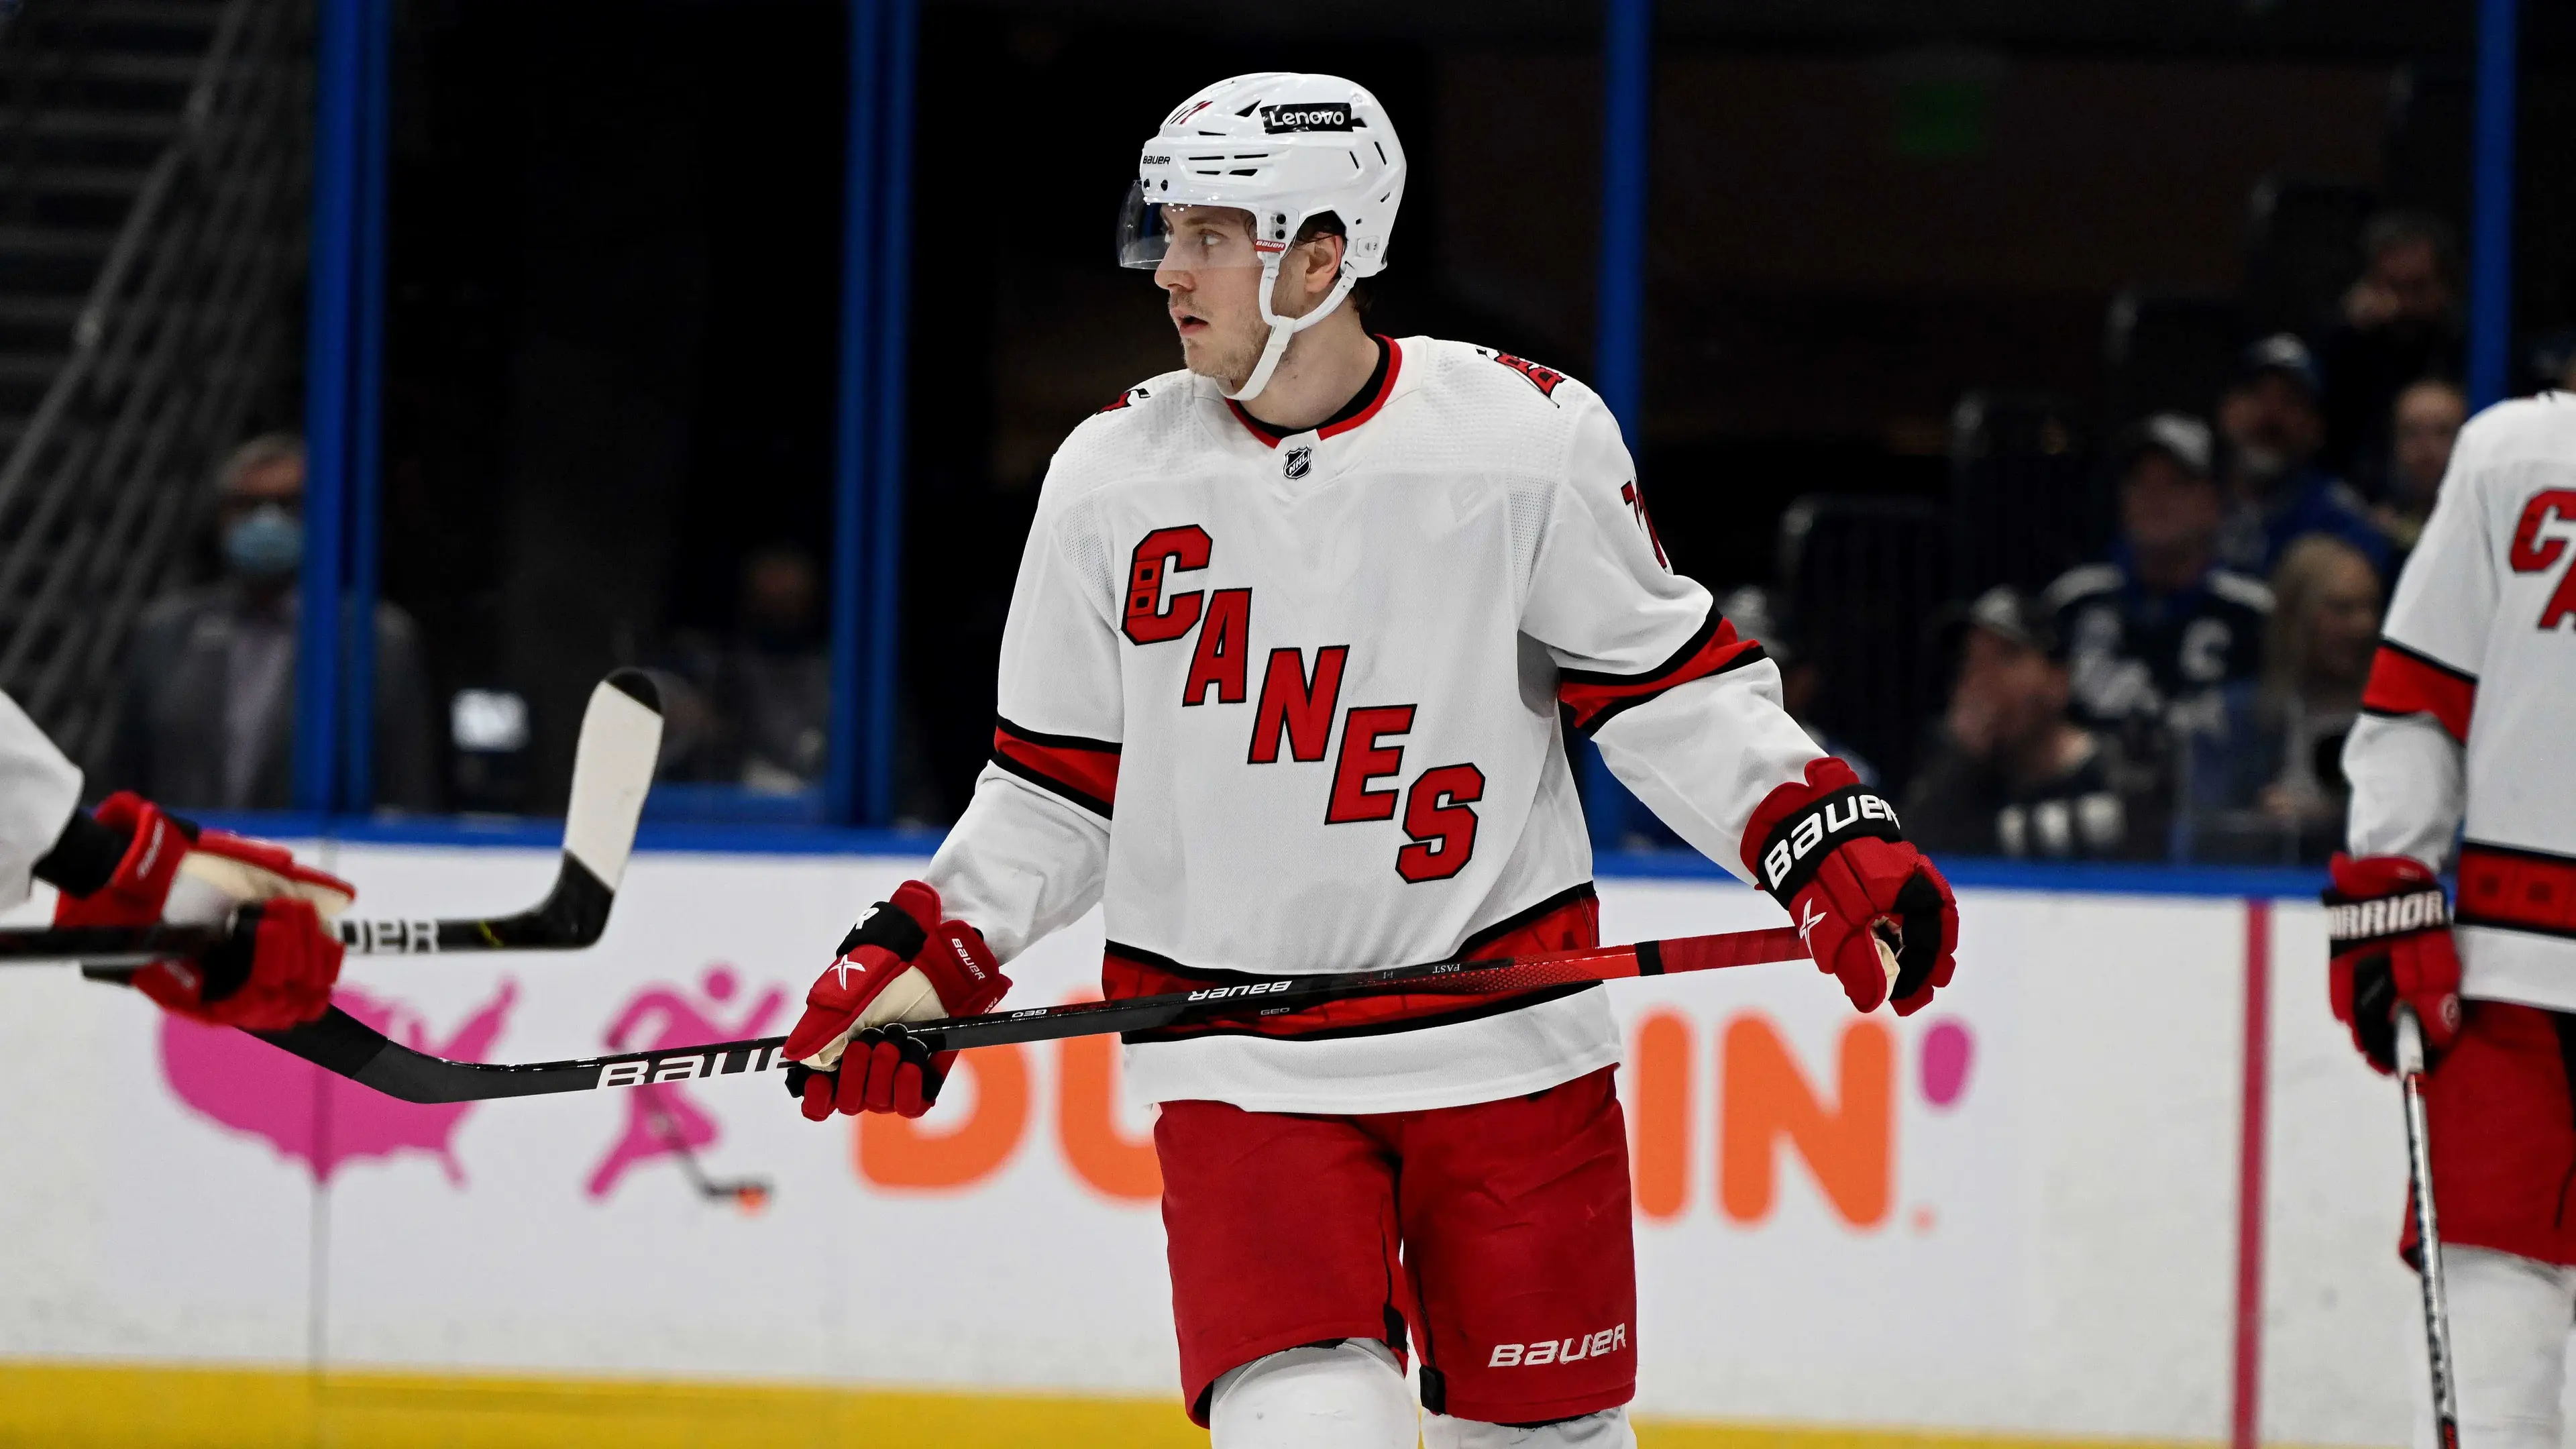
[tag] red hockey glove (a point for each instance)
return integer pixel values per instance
(901, 963)
(2388, 925)
(276, 966)
(274, 970)
(1830, 850)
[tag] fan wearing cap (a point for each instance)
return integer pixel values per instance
(2011, 774)
(2272, 421)
(2154, 629)
(1298, 637)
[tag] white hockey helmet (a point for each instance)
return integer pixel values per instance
(1285, 148)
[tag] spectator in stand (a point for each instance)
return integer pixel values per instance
(1760, 613)
(2269, 782)
(2009, 773)
(2422, 425)
(2400, 322)
(2270, 421)
(761, 697)
(2160, 625)
(206, 717)
(754, 706)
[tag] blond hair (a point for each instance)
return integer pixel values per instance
(2297, 583)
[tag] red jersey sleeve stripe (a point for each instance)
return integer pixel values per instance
(2405, 682)
(1081, 770)
(1596, 698)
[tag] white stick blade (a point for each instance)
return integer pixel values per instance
(612, 768)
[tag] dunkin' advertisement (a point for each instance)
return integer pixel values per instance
(2016, 1211)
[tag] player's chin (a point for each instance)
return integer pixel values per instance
(1214, 363)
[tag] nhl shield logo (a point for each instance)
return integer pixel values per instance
(1298, 461)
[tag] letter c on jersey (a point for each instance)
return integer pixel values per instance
(2532, 553)
(1165, 551)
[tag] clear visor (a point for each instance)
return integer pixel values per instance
(1194, 237)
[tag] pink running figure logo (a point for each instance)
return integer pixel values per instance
(250, 1086)
(661, 1121)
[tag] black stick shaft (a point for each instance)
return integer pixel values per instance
(340, 1043)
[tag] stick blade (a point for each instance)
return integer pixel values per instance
(612, 769)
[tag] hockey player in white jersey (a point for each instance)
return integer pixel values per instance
(2469, 732)
(1295, 638)
(134, 864)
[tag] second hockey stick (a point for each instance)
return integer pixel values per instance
(612, 768)
(2428, 1230)
(339, 1042)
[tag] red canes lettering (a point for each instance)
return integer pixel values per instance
(1442, 827)
(1150, 618)
(1218, 660)
(2532, 553)
(1363, 759)
(1297, 706)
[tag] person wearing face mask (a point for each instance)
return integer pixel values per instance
(206, 717)
(2273, 425)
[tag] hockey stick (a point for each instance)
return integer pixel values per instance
(2428, 1232)
(339, 1042)
(612, 767)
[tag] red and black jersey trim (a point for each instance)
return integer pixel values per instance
(1570, 920)
(2514, 889)
(2405, 681)
(1083, 771)
(1362, 406)
(1594, 698)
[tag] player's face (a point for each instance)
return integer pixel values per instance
(1211, 281)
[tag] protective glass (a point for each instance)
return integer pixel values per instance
(1197, 237)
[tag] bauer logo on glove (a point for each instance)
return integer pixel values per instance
(1844, 815)
(850, 1051)
(1875, 914)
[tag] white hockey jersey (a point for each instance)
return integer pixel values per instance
(2469, 720)
(1292, 702)
(38, 788)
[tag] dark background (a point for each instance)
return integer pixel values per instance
(614, 272)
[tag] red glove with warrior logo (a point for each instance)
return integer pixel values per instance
(133, 864)
(1830, 850)
(2388, 925)
(901, 963)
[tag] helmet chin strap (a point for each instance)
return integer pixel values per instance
(1283, 328)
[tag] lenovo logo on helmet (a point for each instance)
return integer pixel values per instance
(1307, 116)
(1158, 161)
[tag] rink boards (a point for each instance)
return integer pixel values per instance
(2015, 1216)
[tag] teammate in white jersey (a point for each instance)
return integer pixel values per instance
(132, 864)
(1291, 657)
(2469, 733)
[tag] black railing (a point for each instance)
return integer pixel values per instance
(189, 317)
